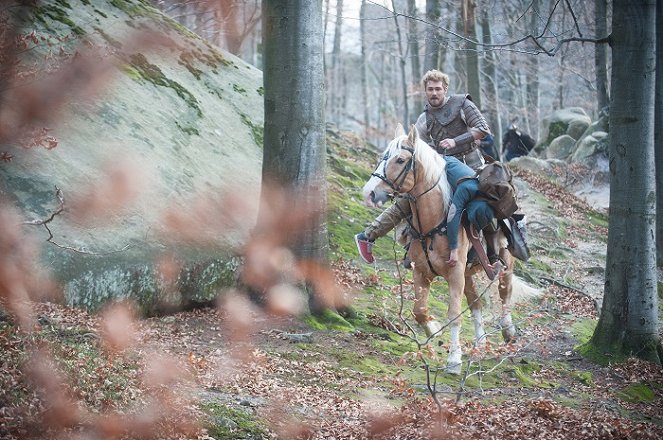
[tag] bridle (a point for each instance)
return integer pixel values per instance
(397, 186)
(397, 183)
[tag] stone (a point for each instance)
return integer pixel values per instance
(177, 128)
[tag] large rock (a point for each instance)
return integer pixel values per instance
(592, 151)
(569, 121)
(178, 127)
(561, 147)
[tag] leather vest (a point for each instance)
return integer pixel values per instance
(446, 122)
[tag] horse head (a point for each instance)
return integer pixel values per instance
(407, 163)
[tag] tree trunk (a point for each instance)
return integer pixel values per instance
(492, 91)
(401, 62)
(472, 59)
(364, 68)
(414, 55)
(335, 82)
(658, 133)
(294, 136)
(601, 56)
(532, 108)
(629, 317)
(433, 36)
(459, 55)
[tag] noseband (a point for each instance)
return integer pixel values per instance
(397, 183)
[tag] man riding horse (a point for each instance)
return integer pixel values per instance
(453, 126)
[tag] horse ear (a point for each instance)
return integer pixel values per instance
(413, 135)
(400, 131)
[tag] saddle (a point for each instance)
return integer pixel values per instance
(516, 234)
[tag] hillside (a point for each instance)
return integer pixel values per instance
(237, 372)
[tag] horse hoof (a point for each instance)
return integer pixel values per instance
(431, 327)
(509, 334)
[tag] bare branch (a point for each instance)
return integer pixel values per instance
(60, 209)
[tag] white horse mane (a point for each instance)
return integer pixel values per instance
(429, 163)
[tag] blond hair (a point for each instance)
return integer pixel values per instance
(435, 75)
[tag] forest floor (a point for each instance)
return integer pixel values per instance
(235, 372)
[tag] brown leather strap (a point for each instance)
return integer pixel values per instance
(481, 252)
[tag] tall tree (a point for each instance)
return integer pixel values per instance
(472, 55)
(364, 68)
(432, 44)
(492, 109)
(413, 42)
(629, 317)
(601, 55)
(294, 136)
(336, 80)
(532, 109)
(402, 63)
(658, 136)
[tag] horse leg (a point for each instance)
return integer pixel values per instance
(456, 280)
(420, 310)
(474, 302)
(506, 288)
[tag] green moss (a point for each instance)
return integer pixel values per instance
(128, 7)
(63, 3)
(110, 40)
(261, 91)
(225, 422)
(584, 377)
(555, 130)
(57, 14)
(328, 320)
(153, 74)
(188, 129)
(86, 2)
(103, 14)
(524, 372)
(637, 392)
(583, 329)
(186, 60)
(257, 131)
(601, 357)
(598, 218)
(239, 89)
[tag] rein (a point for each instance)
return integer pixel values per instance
(396, 185)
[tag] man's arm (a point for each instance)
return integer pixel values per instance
(475, 121)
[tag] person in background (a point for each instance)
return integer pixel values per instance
(516, 143)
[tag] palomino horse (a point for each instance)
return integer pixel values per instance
(410, 168)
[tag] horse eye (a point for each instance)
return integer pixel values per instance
(400, 160)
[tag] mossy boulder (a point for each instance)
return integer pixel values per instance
(179, 124)
(561, 147)
(569, 121)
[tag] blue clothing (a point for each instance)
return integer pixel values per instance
(479, 212)
(487, 145)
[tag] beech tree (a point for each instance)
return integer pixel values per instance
(628, 324)
(294, 133)
(658, 133)
(601, 55)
